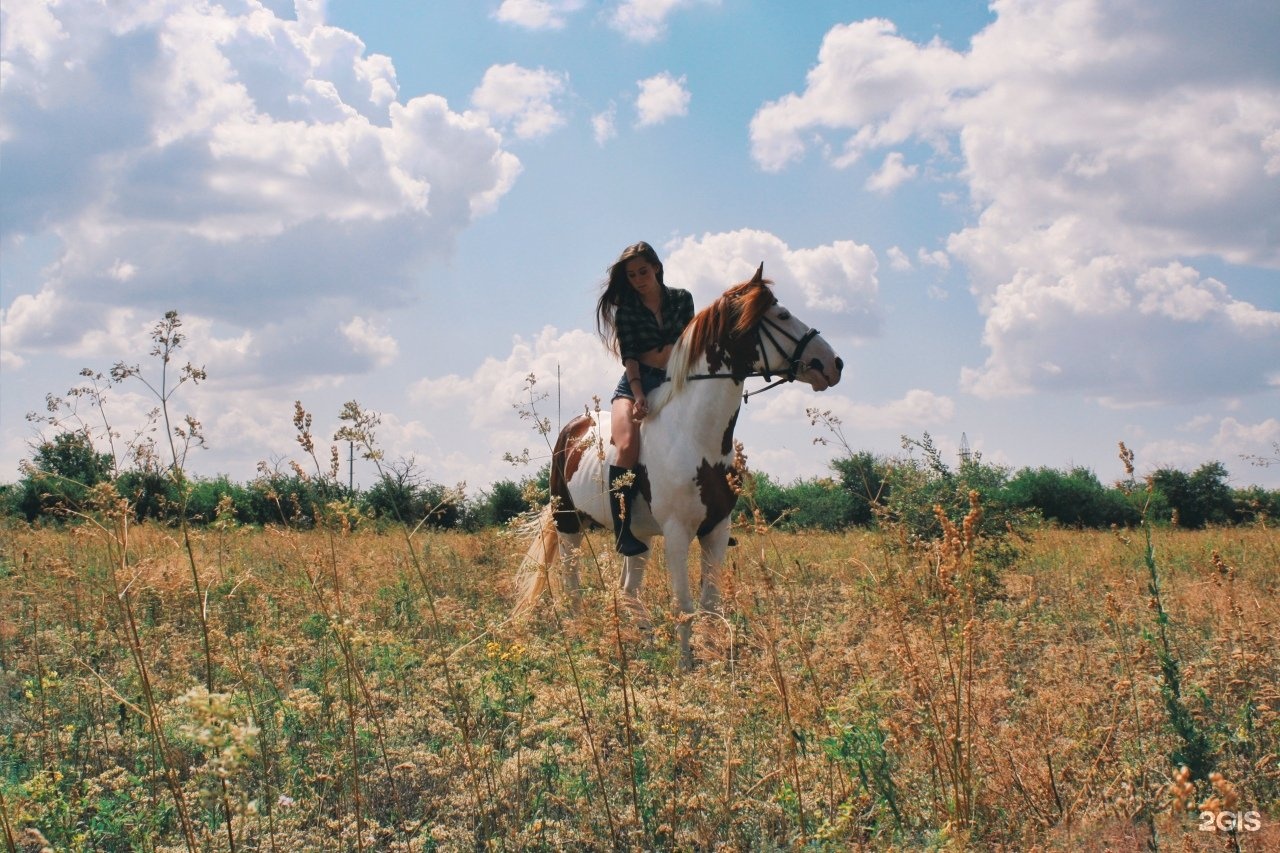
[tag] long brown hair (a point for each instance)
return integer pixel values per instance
(617, 288)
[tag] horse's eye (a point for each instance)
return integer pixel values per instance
(784, 315)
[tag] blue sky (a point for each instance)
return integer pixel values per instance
(1047, 225)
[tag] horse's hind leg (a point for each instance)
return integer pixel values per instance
(570, 558)
(632, 582)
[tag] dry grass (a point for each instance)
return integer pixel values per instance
(855, 696)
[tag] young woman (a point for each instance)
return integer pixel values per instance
(639, 318)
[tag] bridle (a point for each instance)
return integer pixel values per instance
(766, 329)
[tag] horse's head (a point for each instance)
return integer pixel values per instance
(788, 348)
(747, 333)
(759, 337)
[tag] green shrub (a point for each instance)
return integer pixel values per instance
(1197, 499)
(1075, 498)
(60, 475)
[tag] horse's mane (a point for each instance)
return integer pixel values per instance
(738, 310)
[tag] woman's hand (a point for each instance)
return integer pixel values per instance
(641, 407)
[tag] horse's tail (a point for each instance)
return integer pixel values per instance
(533, 575)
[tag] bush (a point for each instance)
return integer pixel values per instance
(503, 502)
(1255, 505)
(151, 492)
(863, 477)
(60, 475)
(276, 498)
(207, 494)
(1197, 499)
(1075, 499)
(916, 486)
(821, 504)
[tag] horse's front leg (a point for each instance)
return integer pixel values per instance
(714, 546)
(677, 553)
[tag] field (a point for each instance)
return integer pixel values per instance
(334, 689)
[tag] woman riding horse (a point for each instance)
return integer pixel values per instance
(639, 318)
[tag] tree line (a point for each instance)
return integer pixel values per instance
(67, 473)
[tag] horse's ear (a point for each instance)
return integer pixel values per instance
(759, 276)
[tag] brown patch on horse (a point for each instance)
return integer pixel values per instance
(726, 440)
(717, 496)
(565, 459)
(720, 331)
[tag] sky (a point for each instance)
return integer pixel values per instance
(1039, 226)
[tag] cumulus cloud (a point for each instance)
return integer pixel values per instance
(255, 169)
(573, 366)
(555, 375)
(916, 409)
(1102, 155)
(537, 14)
(937, 259)
(893, 173)
(1231, 441)
(870, 86)
(521, 98)
(1170, 337)
(839, 277)
(368, 338)
(604, 125)
(646, 20)
(661, 97)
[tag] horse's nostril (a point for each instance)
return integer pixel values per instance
(839, 364)
(816, 364)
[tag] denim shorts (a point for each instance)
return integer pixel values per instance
(650, 378)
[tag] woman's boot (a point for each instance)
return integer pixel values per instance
(621, 503)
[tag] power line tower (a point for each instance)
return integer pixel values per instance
(965, 454)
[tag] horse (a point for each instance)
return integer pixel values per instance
(686, 453)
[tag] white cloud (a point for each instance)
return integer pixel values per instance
(537, 14)
(870, 84)
(661, 97)
(916, 409)
(522, 98)
(572, 367)
(249, 168)
(938, 259)
(569, 370)
(891, 174)
(1271, 147)
(1235, 439)
(837, 277)
(604, 125)
(1100, 155)
(368, 339)
(646, 20)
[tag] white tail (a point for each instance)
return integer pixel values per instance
(534, 575)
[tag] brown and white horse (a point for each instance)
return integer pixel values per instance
(686, 452)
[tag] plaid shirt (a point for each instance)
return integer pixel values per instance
(637, 328)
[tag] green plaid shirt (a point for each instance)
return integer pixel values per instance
(637, 328)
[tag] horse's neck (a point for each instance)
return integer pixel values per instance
(699, 414)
